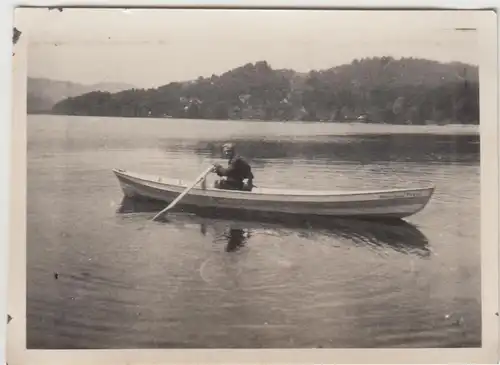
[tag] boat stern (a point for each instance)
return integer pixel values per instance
(422, 199)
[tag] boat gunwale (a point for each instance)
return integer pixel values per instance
(292, 193)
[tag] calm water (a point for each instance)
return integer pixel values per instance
(125, 282)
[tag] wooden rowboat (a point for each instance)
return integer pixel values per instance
(379, 204)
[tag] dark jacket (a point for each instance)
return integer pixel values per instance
(236, 171)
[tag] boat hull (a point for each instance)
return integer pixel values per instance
(381, 204)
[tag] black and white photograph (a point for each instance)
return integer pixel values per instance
(256, 179)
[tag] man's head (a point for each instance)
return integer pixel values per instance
(228, 150)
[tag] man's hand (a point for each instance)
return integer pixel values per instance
(216, 167)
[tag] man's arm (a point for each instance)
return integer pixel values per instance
(236, 164)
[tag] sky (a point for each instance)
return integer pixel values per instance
(149, 48)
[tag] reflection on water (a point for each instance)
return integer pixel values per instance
(359, 148)
(236, 238)
(398, 235)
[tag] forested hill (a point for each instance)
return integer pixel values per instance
(377, 90)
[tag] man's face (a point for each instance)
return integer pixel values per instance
(228, 152)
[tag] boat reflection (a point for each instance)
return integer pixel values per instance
(236, 231)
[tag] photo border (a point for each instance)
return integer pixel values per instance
(485, 21)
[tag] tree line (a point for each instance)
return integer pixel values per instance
(376, 90)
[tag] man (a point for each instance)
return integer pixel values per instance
(235, 173)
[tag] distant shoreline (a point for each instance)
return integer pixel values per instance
(347, 121)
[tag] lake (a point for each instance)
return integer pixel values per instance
(98, 278)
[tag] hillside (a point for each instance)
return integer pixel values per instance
(43, 94)
(377, 90)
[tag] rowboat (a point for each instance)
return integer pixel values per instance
(375, 204)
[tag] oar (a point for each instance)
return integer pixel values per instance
(172, 204)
